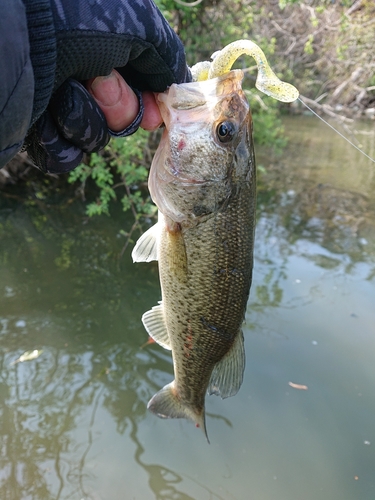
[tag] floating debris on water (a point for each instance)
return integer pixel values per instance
(28, 356)
(298, 386)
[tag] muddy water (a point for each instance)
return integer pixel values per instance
(73, 422)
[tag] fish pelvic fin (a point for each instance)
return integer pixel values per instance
(167, 404)
(227, 375)
(154, 322)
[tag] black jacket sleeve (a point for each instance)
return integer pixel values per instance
(27, 69)
(17, 79)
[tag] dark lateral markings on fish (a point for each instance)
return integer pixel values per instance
(219, 331)
(234, 272)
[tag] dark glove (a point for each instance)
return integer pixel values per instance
(90, 39)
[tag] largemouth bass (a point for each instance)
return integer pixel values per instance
(202, 180)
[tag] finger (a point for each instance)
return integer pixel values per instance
(152, 118)
(116, 99)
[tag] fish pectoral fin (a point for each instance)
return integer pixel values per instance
(154, 322)
(146, 248)
(176, 256)
(227, 375)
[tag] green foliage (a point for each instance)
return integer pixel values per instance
(120, 168)
(308, 48)
(268, 128)
(284, 3)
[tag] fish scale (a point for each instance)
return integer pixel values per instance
(216, 290)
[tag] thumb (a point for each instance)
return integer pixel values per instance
(116, 99)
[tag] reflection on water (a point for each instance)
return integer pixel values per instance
(74, 423)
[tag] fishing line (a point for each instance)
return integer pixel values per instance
(333, 128)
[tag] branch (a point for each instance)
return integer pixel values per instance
(325, 108)
(188, 4)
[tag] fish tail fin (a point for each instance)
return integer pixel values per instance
(166, 404)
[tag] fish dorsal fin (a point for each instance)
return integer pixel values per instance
(146, 248)
(227, 375)
(154, 322)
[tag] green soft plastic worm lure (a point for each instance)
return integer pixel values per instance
(267, 82)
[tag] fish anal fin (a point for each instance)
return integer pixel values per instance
(154, 322)
(146, 248)
(227, 375)
(167, 404)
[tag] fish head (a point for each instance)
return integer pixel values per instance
(206, 149)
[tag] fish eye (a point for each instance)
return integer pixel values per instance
(225, 131)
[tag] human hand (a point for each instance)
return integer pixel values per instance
(120, 105)
(92, 39)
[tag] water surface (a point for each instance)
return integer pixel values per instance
(74, 423)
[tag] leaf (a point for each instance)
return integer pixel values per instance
(298, 386)
(28, 356)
